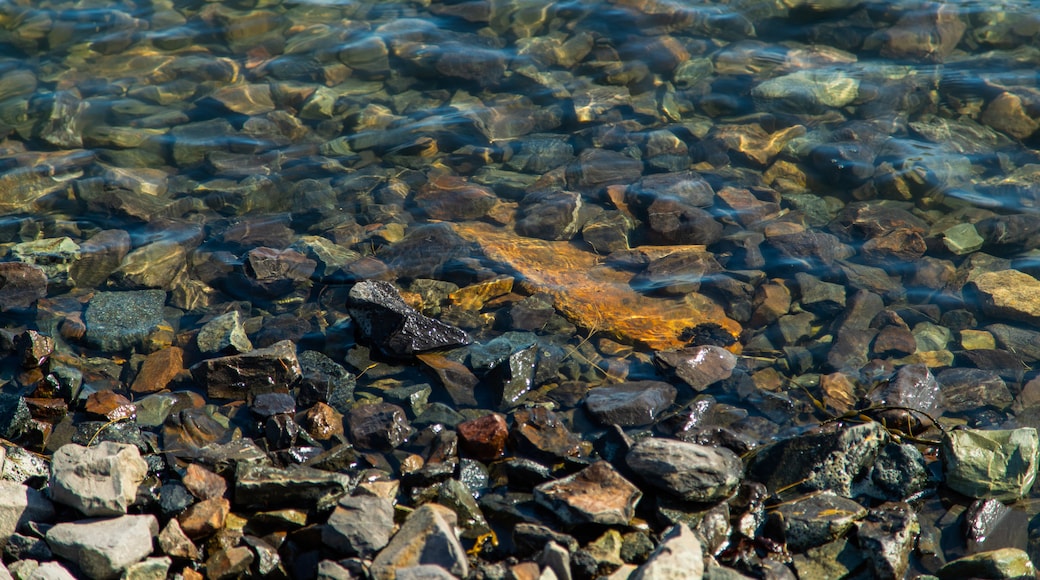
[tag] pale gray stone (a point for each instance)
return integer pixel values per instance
(359, 526)
(426, 537)
(677, 557)
(104, 548)
(20, 504)
(98, 481)
(51, 571)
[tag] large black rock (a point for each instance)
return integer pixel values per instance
(395, 328)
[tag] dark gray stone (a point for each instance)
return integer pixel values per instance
(818, 518)
(265, 370)
(899, 472)
(117, 321)
(296, 486)
(686, 470)
(14, 415)
(359, 526)
(395, 328)
(21, 285)
(630, 404)
(326, 381)
(378, 426)
(991, 525)
(887, 537)
(913, 388)
(968, 390)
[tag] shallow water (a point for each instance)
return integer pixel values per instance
(207, 130)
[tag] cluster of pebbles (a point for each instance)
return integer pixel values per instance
(519, 289)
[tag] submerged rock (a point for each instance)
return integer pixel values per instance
(630, 404)
(597, 494)
(395, 328)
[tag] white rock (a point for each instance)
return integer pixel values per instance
(20, 504)
(97, 481)
(678, 557)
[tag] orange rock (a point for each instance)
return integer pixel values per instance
(158, 370)
(110, 405)
(595, 296)
(205, 517)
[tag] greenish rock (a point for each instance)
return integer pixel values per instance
(1002, 563)
(55, 256)
(225, 334)
(806, 91)
(998, 464)
(148, 569)
(929, 336)
(153, 409)
(457, 496)
(837, 559)
(962, 239)
(116, 321)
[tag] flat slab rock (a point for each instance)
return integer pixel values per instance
(103, 548)
(631, 404)
(597, 494)
(264, 370)
(395, 328)
(688, 471)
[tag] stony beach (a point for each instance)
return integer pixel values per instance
(517, 289)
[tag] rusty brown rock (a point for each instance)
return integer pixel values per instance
(450, 197)
(175, 543)
(110, 405)
(321, 421)
(21, 285)
(158, 370)
(203, 483)
(483, 438)
(597, 494)
(205, 517)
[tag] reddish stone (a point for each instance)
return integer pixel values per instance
(204, 518)
(203, 483)
(50, 410)
(34, 347)
(158, 370)
(21, 285)
(483, 438)
(174, 543)
(229, 563)
(895, 341)
(110, 405)
(321, 421)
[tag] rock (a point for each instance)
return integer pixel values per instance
(117, 321)
(818, 518)
(378, 426)
(677, 556)
(555, 559)
(967, 390)
(630, 404)
(21, 285)
(539, 434)
(203, 483)
(806, 92)
(671, 222)
(677, 273)
(913, 388)
(396, 329)
(148, 569)
(204, 518)
(929, 34)
(1008, 113)
(688, 471)
(837, 559)
(962, 239)
(97, 481)
(229, 563)
(483, 438)
(700, 366)
(158, 370)
(174, 542)
(459, 497)
(1003, 563)
(597, 494)
(104, 548)
(15, 417)
(1008, 294)
(991, 525)
(846, 164)
(19, 505)
(155, 265)
(1022, 342)
(359, 526)
(224, 334)
(296, 486)
(827, 458)
(513, 377)
(887, 536)
(821, 298)
(899, 472)
(999, 464)
(550, 215)
(426, 537)
(264, 370)
(50, 571)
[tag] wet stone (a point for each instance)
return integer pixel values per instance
(673, 222)
(818, 519)
(597, 494)
(296, 486)
(1008, 294)
(677, 273)
(394, 327)
(456, 495)
(109, 405)
(1002, 563)
(630, 404)
(887, 536)
(158, 370)
(325, 381)
(103, 548)
(701, 366)
(686, 470)
(991, 525)
(483, 438)
(913, 387)
(14, 415)
(539, 433)
(117, 321)
(899, 472)
(21, 285)
(378, 426)
(967, 390)
(98, 481)
(224, 334)
(550, 215)
(998, 464)
(264, 370)
(426, 537)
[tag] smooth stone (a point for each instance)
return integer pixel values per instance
(98, 481)
(818, 518)
(913, 387)
(887, 536)
(21, 285)
(550, 215)
(224, 334)
(1023, 342)
(630, 404)
(104, 548)
(1009, 294)
(395, 328)
(997, 464)
(1002, 563)
(294, 486)
(688, 471)
(962, 239)
(678, 556)
(831, 458)
(597, 494)
(359, 526)
(700, 366)
(966, 390)
(806, 92)
(117, 321)
(273, 369)
(155, 265)
(46, 571)
(426, 537)
(19, 505)
(991, 525)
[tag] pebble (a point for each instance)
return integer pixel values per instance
(104, 548)
(818, 518)
(483, 438)
(1002, 563)
(97, 481)
(597, 494)
(686, 470)
(1008, 294)
(224, 334)
(701, 366)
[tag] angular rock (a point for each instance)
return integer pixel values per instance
(228, 563)
(1002, 563)
(426, 537)
(597, 494)
(630, 404)
(483, 438)
(1009, 294)
(21, 285)
(104, 548)
(98, 481)
(174, 542)
(887, 536)
(679, 555)
(224, 334)
(830, 457)
(991, 525)
(998, 464)
(378, 426)
(967, 390)
(204, 518)
(117, 321)
(15, 416)
(19, 505)
(359, 526)
(265, 370)
(550, 215)
(686, 470)
(818, 518)
(899, 472)
(700, 366)
(158, 370)
(395, 328)
(295, 486)
(539, 434)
